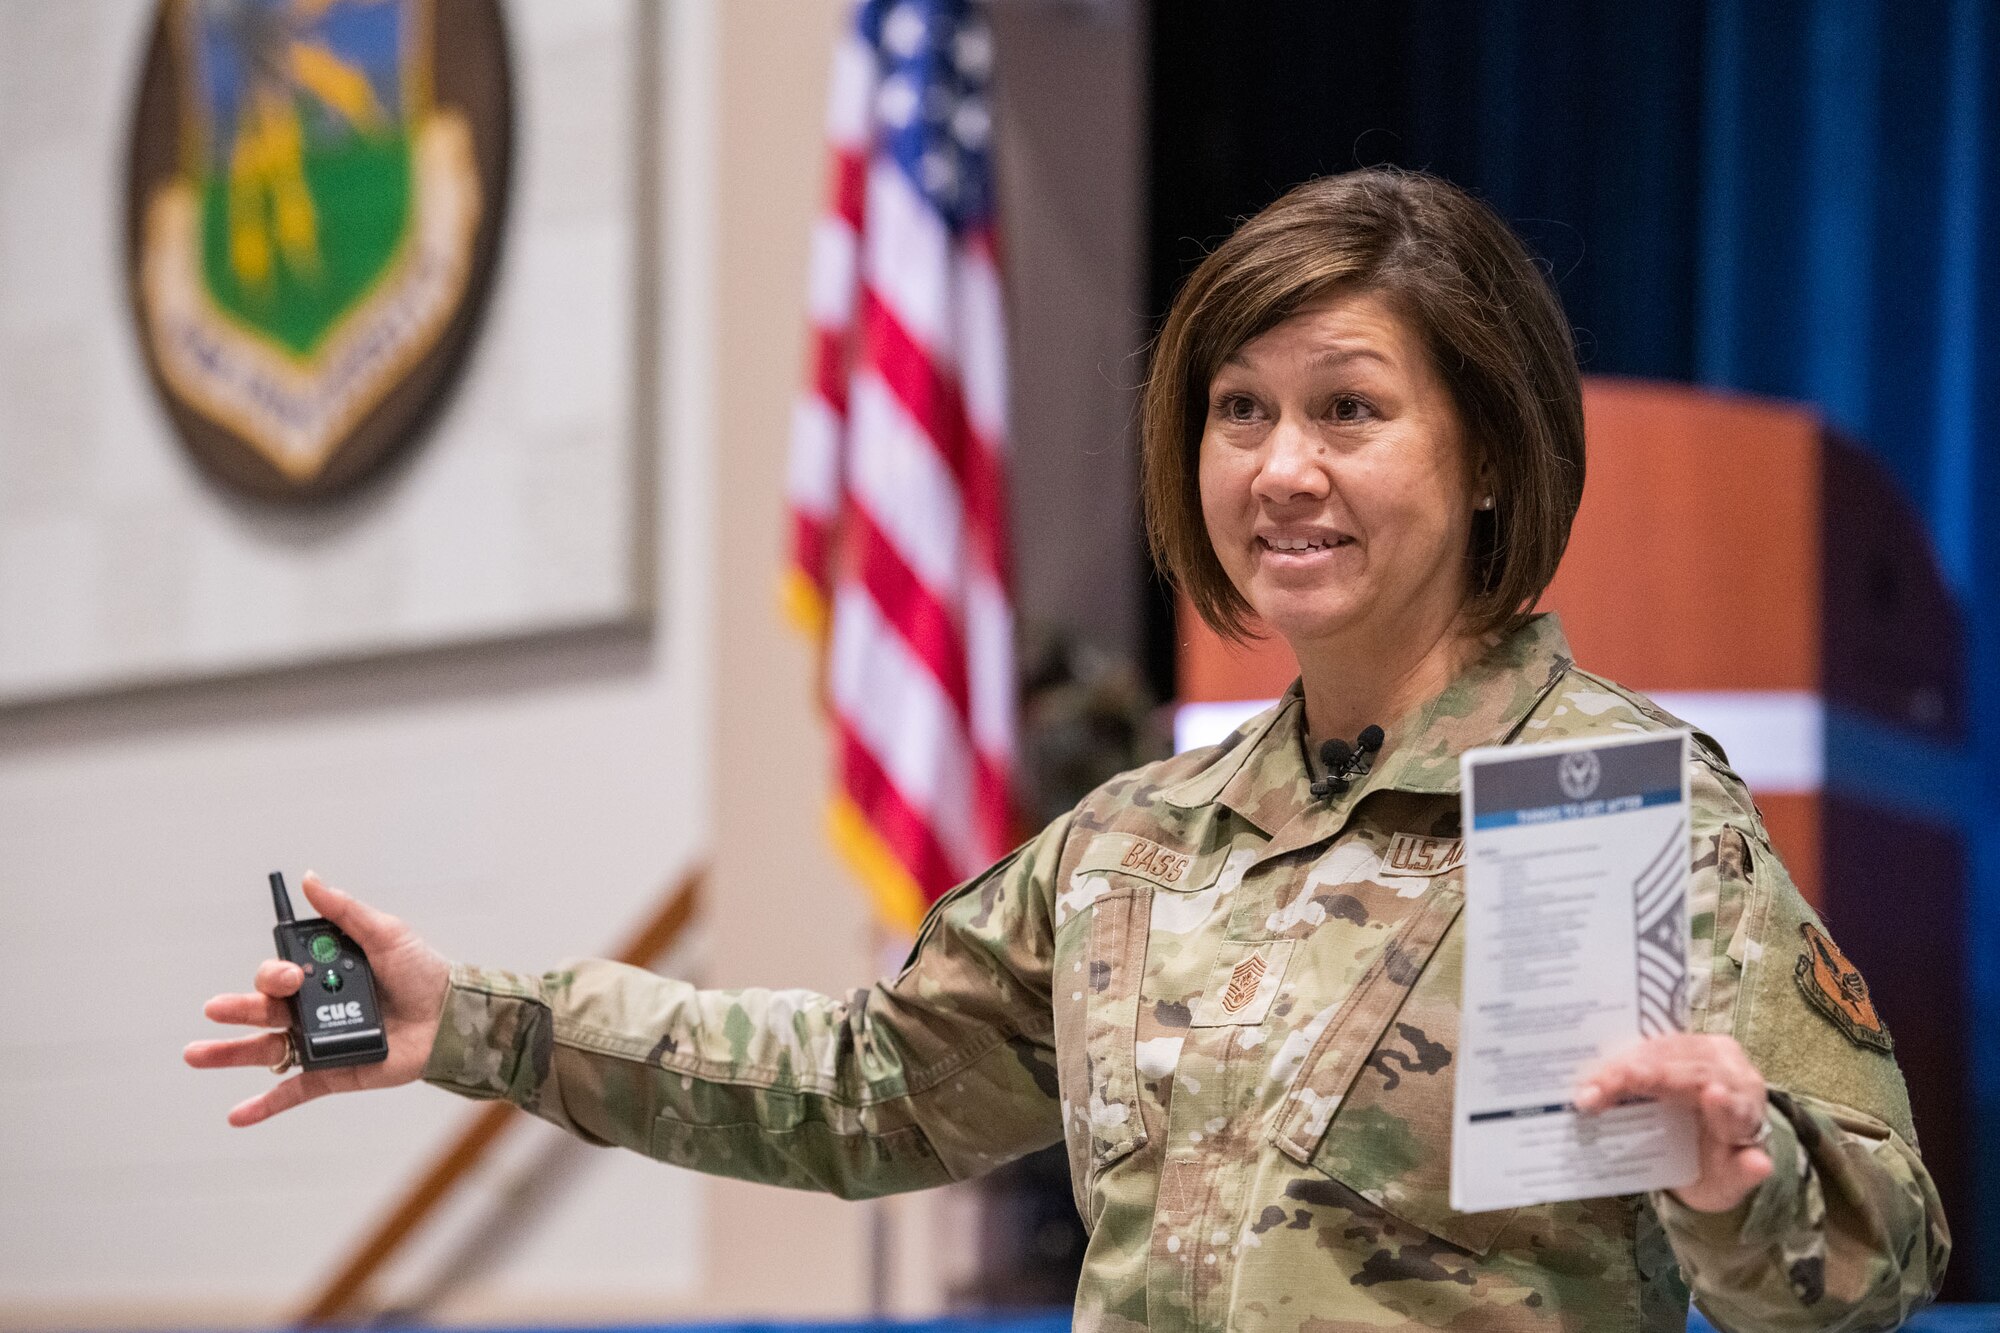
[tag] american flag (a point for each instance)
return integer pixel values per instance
(897, 486)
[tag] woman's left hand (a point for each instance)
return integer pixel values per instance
(1711, 1075)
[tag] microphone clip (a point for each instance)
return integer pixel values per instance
(1346, 762)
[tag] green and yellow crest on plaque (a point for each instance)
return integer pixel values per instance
(315, 198)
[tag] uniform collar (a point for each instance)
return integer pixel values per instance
(1265, 754)
(1484, 706)
(1262, 775)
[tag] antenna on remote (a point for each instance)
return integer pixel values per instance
(280, 899)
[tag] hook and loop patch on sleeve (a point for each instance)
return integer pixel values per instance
(1834, 986)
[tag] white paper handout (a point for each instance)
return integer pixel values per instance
(1576, 885)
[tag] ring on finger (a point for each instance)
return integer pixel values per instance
(290, 1059)
(1760, 1138)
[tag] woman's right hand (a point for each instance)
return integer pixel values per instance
(410, 983)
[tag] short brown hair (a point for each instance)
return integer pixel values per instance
(1494, 329)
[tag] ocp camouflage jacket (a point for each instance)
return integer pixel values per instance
(1238, 1005)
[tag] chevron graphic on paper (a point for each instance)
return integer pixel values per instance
(1659, 900)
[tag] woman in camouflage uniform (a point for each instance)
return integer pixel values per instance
(1237, 1002)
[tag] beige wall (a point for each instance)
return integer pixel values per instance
(517, 801)
(524, 801)
(775, 921)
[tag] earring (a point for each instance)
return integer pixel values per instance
(1487, 503)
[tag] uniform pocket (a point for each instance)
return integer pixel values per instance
(1125, 894)
(1371, 1106)
(1248, 975)
(1100, 959)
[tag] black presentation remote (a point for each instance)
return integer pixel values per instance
(335, 1019)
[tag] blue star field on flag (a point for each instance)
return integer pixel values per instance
(936, 60)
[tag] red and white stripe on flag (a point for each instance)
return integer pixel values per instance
(897, 485)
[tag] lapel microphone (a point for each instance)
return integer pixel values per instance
(1345, 762)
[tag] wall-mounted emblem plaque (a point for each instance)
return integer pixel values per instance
(314, 209)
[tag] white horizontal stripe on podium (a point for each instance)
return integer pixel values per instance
(1775, 739)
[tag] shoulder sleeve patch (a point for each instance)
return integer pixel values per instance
(1835, 988)
(1807, 1029)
